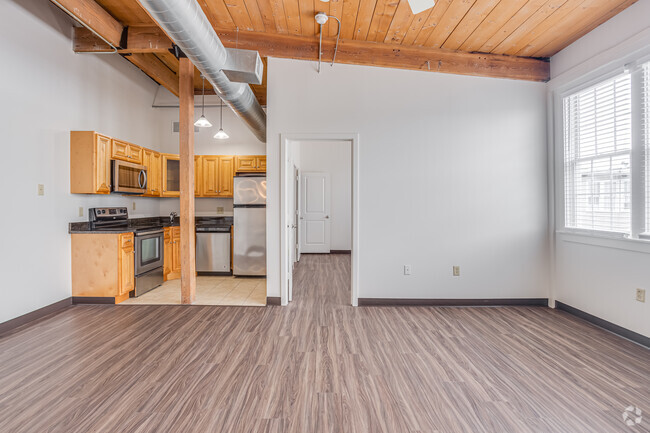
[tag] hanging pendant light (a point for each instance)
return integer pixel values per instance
(221, 134)
(203, 122)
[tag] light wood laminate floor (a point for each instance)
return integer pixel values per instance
(318, 365)
(210, 290)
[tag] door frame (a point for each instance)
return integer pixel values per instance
(285, 267)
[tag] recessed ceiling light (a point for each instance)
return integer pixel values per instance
(418, 6)
(325, 1)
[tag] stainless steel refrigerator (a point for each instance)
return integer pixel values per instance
(249, 205)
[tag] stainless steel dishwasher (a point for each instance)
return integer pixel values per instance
(213, 250)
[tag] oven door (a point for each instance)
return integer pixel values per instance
(148, 251)
(129, 178)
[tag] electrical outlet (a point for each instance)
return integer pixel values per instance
(41, 189)
(407, 269)
(81, 211)
(456, 271)
(133, 205)
(219, 209)
(640, 295)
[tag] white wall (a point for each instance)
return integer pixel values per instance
(241, 141)
(595, 275)
(452, 172)
(335, 158)
(46, 90)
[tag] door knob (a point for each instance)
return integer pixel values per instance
(327, 216)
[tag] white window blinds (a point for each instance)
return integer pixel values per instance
(597, 146)
(645, 133)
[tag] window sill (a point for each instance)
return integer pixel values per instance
(605, 240)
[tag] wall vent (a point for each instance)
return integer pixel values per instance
(176, 127)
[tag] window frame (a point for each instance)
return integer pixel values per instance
(638, 233)
(569, 171)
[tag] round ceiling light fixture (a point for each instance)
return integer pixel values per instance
(321, 18)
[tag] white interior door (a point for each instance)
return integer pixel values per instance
(315, 213)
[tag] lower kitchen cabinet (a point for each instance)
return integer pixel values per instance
(103, 265)
(172, 261)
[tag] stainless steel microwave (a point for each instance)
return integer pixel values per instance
(128, 178)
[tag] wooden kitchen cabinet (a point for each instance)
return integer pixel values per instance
(225, 175)
(103, 266)
(90, 167)
(217, 175)
(198, 176)
(126, 151)
(126, 264)
(261, 164)
(152, 160)
(210, 179)
(172, 259)
(250, 164)
(171, 175)
(90, 163)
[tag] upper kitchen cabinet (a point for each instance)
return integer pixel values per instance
(261, 164)
(210, 168)
(217, 176)
(198, 176)
(152, 160)
(250, 164)
(90, 163)
(226, 173)
(126, 151)
(171, 175)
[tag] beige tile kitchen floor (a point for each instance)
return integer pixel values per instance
(210, 290)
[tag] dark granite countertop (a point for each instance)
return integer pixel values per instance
(153, 222)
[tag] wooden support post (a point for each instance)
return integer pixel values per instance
(188, 240)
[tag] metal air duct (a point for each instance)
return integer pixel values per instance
(188, 27)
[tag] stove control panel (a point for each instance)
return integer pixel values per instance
(107, 214)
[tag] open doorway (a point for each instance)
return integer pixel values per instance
(319, 212)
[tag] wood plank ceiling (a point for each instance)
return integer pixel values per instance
(497, 28)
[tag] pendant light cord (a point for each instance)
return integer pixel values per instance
(221, 114)
(203, 97)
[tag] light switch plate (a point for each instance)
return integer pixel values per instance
(640, 295)
(133, 205)
(41, 189)
(456, 271)
(81, 211)
(407, 269)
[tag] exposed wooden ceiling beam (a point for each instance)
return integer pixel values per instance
(156, 69)
(141, 39)
(147, 39)
(153, 40)
(94, 16)
(391, 56)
